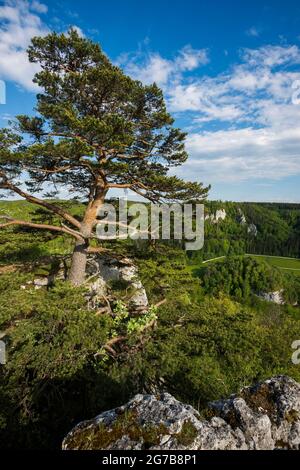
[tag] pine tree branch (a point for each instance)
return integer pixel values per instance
(40, 202)
(53, 228)
(95, 249)
(120, 185)
(44, 170)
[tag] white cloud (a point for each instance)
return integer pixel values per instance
(17, 26)
(236, 90)
(253, 31)
(156, 69)
(150, 67)
(271, 56)
(39, 7)
(19, 22)
(243, 154)
(78, 30)
(207, 99)
(253, 101)
(242, 122)
(190, 59)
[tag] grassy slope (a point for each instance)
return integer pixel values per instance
(291, 265)
(286, 264)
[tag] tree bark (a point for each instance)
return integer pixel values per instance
(78, 264)
(80, 253)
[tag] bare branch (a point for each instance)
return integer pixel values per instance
(120, 185)
(53, 228)
(161, 302)
(127, 157)
(40, 202)
(93, 249)
(44, 170)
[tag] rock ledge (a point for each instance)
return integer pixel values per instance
(265, 416)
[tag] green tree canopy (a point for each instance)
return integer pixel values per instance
(95, 129)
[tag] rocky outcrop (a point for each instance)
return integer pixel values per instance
(218, 216)
(276, 297)
(252, 230)
(266, 416)
(103, 271)
(241, 219)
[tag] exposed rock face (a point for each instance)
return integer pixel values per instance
(219, 215)
(43, 282)
(106, 270)
(39, 282)
(266, 416)
(276, 297)
(241, 217)
(252, 230)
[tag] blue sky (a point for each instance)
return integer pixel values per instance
(230, 71)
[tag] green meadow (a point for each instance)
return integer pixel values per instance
(291, 265)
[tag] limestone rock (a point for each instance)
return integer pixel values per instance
(218, 216)
(276, 297)
(104, 270)
(252, 230)
(43, 282)
(265, 416)
(241, 217)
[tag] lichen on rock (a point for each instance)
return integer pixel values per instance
(265, 416)
(105, 270)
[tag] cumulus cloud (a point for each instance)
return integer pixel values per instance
(242, 122)
(39, 7)
(190, 59)
(271, 56)
(18, 24)
(155, 69)
(150, 67)
(20, 20)
(252, 105)
(260, 71)
(243, 154)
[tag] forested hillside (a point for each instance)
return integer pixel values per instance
(234, 228)
(210, 333)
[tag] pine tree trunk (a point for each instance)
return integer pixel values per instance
(78, 264)
(79, 258)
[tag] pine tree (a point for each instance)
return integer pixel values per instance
(95, 129)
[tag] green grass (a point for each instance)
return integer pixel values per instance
(21, 209)
(289, 265)
(20, 245)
